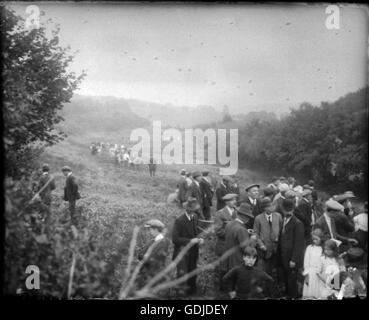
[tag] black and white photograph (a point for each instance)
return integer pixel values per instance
(184, 151)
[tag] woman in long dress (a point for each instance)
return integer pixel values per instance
(312, 266)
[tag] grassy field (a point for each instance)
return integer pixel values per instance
(115, 199)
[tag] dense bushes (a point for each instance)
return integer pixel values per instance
(327, 143)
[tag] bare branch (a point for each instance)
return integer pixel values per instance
(71, 273)
(130, 258)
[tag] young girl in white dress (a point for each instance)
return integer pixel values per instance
(331, 266)
(312, 266)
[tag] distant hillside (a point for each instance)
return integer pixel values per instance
(99, 114)
(175, 116)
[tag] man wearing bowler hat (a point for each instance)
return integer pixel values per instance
(71, 193)
(237, 236)
(291, 248)
(252, 198)
(268, 227)
(185, 230)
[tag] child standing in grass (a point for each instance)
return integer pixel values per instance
(245, 281)
(331, 266)
(312, 265)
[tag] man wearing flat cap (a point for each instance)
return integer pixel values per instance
(46, 185)
(344, 219)
(71, 193)
(186, 230)
(327, 224)
(207, 193)
(252, 198)
(155, 252)
(268, 227)
(291, 248)
(237, 237)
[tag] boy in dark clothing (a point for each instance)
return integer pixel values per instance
(246, 282)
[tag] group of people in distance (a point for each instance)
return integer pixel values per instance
(274, 238)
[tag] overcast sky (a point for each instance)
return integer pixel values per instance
(238, 55)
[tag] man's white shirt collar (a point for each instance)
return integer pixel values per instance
(159, 237)
(69, 174)
(253, 201)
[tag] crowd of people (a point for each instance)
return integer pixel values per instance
(280, 235)
(123, 155)
(276, 236)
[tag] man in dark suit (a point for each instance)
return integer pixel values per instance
(252, 198)
(223, 189)
(327, 223)
(155, 252)
(185, 231)
(197, 193)
(268, 227)
(183, 188)
(304, 213)
(71, 193)
(291, 248)
(237, 236)
(207, 194)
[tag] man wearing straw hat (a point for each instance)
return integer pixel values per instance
(186, 232)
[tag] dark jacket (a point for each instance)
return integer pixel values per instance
(221, 219)
(220, 192)
(291, 243)
(344, 224)
(256, 209)
(71, 193)
(236, 237)
(246, 281)
(321, 223)
(183, 189)
(303, 212)
(157, 258)
(207, 194)
(183, 231)
(196, 192)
